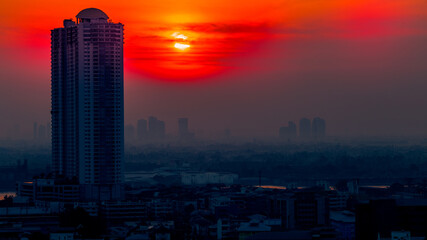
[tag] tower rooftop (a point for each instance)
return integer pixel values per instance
(91, 13)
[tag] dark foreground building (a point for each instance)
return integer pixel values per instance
(381, 217)
(87, 103)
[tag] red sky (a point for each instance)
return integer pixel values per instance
(280, 59)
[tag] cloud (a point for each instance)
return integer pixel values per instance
(228, 28)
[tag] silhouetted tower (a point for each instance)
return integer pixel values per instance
(156, 128)
(319, 128)
(288, 133)
(87, 103)
(141, 129)
(305, 128)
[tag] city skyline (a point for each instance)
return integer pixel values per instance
(358, 64)
(138, 130)
(275, 119)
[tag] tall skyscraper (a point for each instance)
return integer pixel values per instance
(305, 128)
(319, 128)
(87, 102)
(141, 129)
(183, 132)
(161, 129)
(292, 130)
(156, 128)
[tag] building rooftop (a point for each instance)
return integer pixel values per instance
(91, 13)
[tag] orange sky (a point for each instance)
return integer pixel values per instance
(251, 65)
(221, 33)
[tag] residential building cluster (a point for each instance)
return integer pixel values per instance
(154, 130)
(308, 130)
(222, 211)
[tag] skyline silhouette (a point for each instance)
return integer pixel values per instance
(214, 120)
(358, 64)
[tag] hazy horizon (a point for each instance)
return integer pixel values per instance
(359, 65)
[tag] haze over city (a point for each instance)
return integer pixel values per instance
(250, 66)
(213, 120)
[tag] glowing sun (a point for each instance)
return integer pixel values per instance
(181, 46)
(181, 42)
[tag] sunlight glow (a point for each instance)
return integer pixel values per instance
(179, 36)
(181, 46)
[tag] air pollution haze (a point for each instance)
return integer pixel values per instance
(249, 66)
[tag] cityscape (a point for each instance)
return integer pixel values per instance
(311, 170)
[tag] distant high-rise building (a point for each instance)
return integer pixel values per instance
(141, 129)
(156, 128)
(162, 129)
(183, 132)
(35, 128)
(87, 103)
(318, 128)
(289, 132)
(305, 128)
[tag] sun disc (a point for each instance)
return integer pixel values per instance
(181, 46)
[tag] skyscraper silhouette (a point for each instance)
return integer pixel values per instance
(87, 103)
(292, 129)
(305, 128)
(141, 129)
(156, 128)
(289, 132)
(319, 128)
(183, 132)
